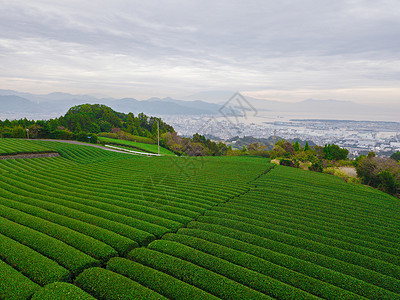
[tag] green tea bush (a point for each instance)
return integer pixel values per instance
(14, 285)
(68, 257)
(104, 284)
(254, 280)
(84, 243)
(160, 282)
(202, 278)
(61, 291)
(33, 265)
(118, 242)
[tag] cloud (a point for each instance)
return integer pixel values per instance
(153, 48)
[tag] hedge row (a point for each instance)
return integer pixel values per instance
(107, 285)
(118, 242)
(315, 235)
(117, 190)
(70, 258)
(84, 243)
(306, 244)
(254, 280)
(14, 285)
(61, 291)
(362, 236)
(329, 204)
(326, 216)
(54, 205)
(336, 272)
(143, 230)
(142, 220)
(241, 258)
(204, 279)
(33, 265)
(160, 282)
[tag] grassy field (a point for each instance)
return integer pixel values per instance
(150, 148)
(93, 224)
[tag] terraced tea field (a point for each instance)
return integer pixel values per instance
(93, 224)
(150, 148)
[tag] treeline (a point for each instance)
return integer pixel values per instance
(84, 123)
(379, 172)
(198, 145)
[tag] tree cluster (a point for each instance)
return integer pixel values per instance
(378, 172)
(198, 145)
(84, 123)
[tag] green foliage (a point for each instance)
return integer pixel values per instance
(396, 156)
(306, 147)
(251, 257)
(151, 148)
(68, 257)
(33, 265)
(84, 243)
(104, 284)
(160, 282)
(381, 173)
(388, 183)
(255, 280)
(202, 278)
(83, 123)
(316, 166)
(230, 227)
(15, 146)
(122, 135)
(334, 152)
(14, 285)
(61, 291)
(289, 163)
(30, 206)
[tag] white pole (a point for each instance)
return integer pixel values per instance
(158, 140)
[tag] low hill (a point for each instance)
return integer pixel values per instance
(103, 225)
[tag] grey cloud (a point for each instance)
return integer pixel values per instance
(254, 44)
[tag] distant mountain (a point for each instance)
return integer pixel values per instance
(166, 106)
(199, 104)
(61, 102)
(16, 104)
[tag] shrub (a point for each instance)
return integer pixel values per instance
(333, 271)
(211, 245)
(33, 265)
(316, 167)
(66, 256)
(61, 291)
(104, 284)
(14, 285)
(289, 163)
(202, 278)
(118, 242)
(158, 281)
(243, 275)
(84, 243)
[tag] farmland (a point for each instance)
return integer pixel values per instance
(94, 224)
(150, 148)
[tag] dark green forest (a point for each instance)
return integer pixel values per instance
(84, 123)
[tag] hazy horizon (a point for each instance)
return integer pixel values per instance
(285, 51)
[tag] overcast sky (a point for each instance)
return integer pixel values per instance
(278, 50)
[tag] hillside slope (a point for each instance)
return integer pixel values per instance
(93, 223)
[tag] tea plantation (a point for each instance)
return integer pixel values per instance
(95, 224)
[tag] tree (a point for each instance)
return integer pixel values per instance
(306, 147)
(334, 152)
(396, 156)
(296, 146)
(381, 173)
